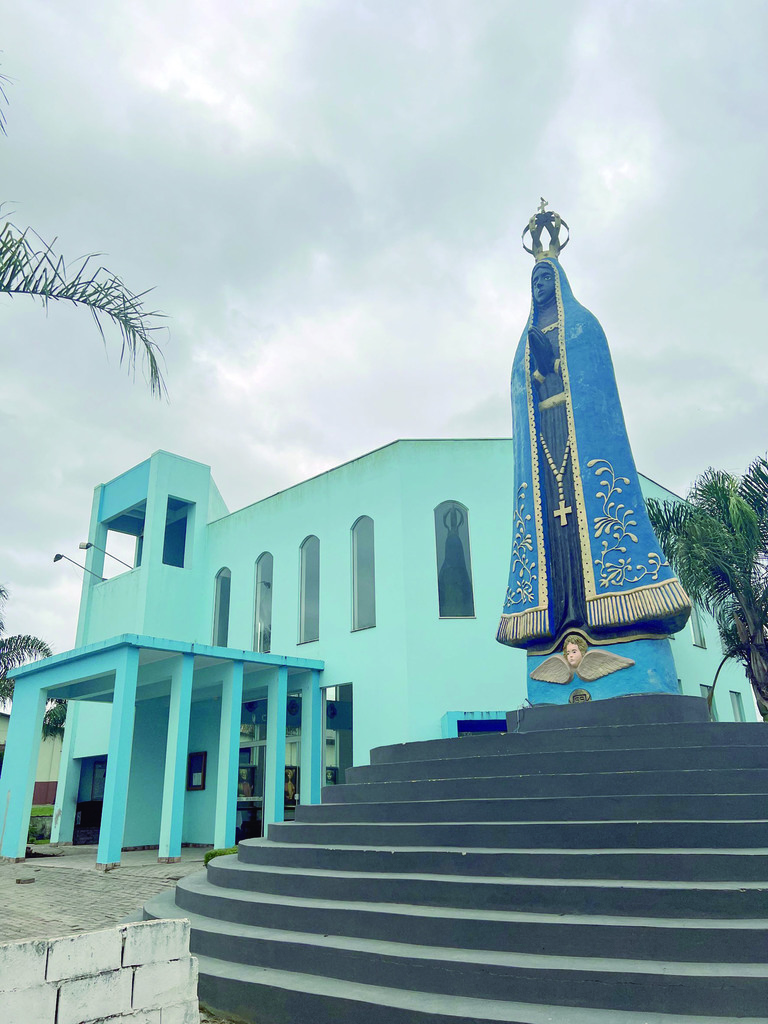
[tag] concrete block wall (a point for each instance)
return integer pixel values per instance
(138, 973)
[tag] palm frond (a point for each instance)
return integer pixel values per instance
(39, 273)
(4, 80)
(55, 716)
(16, 650)
(717, 543)
(711, 493)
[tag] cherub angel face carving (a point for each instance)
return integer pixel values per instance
(573, 655)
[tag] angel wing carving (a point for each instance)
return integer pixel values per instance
(554, 670)
(596, 663)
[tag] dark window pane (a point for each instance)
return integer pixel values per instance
(262, 630)
(454, 564)
(309, 610)
(363, 576)
(221, 608)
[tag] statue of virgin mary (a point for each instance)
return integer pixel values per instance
(584, 557)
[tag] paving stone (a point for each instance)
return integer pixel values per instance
(67, 899)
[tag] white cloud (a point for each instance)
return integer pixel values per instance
(328, 199)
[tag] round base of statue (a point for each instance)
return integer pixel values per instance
(585, 673)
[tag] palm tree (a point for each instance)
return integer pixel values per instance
(717, 542)
(15, 651)
(27, 268)
(31, 268)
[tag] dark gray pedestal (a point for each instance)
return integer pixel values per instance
(640, 709)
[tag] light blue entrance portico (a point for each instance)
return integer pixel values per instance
(169, 677)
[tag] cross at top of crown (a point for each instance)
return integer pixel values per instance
(550, 221)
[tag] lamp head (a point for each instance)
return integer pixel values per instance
(84, 545)
(57, 558)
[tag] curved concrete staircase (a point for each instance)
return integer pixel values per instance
(598, 873)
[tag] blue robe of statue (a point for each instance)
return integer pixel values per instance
(584, 556)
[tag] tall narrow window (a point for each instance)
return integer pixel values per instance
(175, 540)
(705, 691)
(697, 630)
(221, 608)
(363, 577)
(737, 706)
(262, 615)
(309, 597)
(454, 562)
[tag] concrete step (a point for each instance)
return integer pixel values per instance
(713, 865)
(581, 784)
(618, 984)
(235, 960)
(665, 806)
(573, 935)
(510, 763)
(283, 997)
(530, 834)
(549, 895)
(654, 736)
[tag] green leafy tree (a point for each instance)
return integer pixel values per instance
(717, 542)
(16, 651)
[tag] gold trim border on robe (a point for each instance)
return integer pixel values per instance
(651, 601)
(625, 609)
(603, 610)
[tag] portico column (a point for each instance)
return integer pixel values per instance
(177, 742)
(65, 807)
(312, 731)
(274, 771)
(17, 785)
(229, 750)
(118, 759)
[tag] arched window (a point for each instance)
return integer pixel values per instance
(221, 608)
(262, 612)
(363, 580)
(309, 594)
(454, 562)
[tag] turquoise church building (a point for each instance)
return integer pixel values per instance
(248, 658)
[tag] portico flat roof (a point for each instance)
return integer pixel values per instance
(72, 674)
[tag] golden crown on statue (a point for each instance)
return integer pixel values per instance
(550, 221)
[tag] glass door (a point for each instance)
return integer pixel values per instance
(250, 773)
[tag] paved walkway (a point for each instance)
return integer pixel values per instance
(69, 895)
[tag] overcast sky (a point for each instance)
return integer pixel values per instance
(327, 199)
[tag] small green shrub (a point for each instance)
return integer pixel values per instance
(42, 810)
(218, 853)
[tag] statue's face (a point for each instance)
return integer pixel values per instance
(573, 655)
(543, 284)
